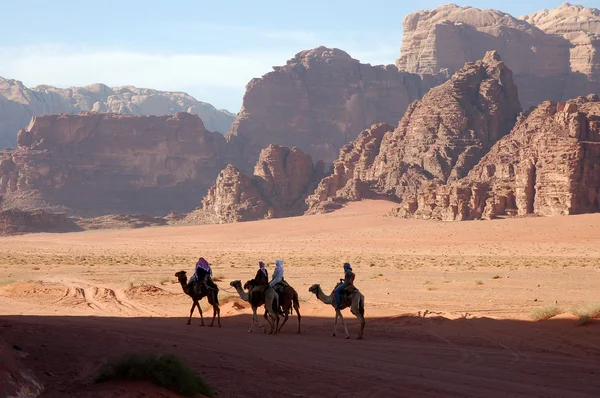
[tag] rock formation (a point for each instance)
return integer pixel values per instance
(95, 164)
(581, 27)
(282, 180)
(16, 222)
(15, 379)
(553, 54)
(440, 138)
(18, 104)
(548, 165)
(319, 101)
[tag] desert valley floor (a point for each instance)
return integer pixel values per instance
(448, 306)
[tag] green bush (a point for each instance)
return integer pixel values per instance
(166, 371)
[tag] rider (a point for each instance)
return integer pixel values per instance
(277, 275)
(277, 283)
(203, 274)
(346, 282)
(262, 275)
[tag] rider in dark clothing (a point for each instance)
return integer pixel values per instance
(262, 275)
(348, 281)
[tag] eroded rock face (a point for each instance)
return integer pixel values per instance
(319, 101)
(440, 138)
(580, 26)
(553, 54)
(18, 104)
(282, 180)
(95, 164)
(15, 379)
(548, 165)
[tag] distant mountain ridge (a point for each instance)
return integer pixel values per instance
(18, 104)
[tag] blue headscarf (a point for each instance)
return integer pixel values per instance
(279, 263)
(347, 267)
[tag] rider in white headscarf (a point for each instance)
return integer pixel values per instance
(277, 273)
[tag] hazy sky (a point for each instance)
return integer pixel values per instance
(209, 49)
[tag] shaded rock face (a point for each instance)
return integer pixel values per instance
(553, 54)
(282, 180)
(16, 222)
(18, 104)
(548, 165)
(15, 379)
(319, 101)
(95, 164)
(440, 138)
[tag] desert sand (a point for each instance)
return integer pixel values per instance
(449, 305)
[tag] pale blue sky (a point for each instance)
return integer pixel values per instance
(209, 49)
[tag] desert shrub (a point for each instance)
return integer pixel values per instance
(540, 314)
(587, 313)
(166, 371)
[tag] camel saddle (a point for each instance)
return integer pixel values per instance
(257, 291)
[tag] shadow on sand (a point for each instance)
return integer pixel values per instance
(402, 356)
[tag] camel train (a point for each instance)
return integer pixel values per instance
(277, 296)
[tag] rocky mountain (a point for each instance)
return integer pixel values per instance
(440, 138)
(282, 180)
(548, 165)
(94, 164)
(18, 104)
(553, 54)
(319, 101)
(580, 26)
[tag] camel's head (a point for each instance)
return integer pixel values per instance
(181, 275)
(235, 284)
(314, 288)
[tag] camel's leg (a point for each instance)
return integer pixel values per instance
(297, 308)
(337, 312)
(192, 312)
(218, 315)
(255, 318)
(201, 316)
(214, 315)
(345, 327)
(285, 319)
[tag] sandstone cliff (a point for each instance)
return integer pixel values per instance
(440, 138)
(282, 179)
(553, 54)
(548, 165)
(96, 164)
(18, 104)
(580, 26)
(319, 101)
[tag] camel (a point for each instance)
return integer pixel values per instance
(287, 299)
(355, 300)
(196, 296)
(268, 299)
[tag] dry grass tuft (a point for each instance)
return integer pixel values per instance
(541, 314)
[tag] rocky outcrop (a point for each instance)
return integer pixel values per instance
(282, 180)
(18, 104)
(548, 165)
(96, 164)
(552, 53)
(319, 101)
(440, 138)
(15, 379)
(17, 222)
(580, 26)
